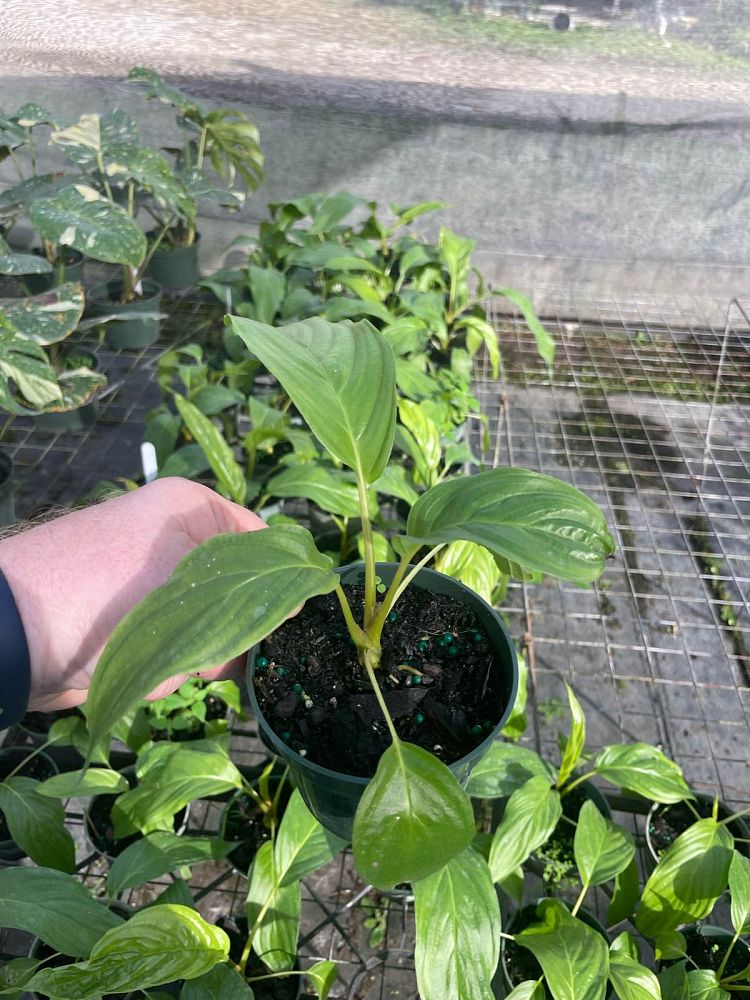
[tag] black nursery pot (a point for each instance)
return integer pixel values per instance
(679, 817)
(71, 270)
(333, 796)
(700, 942)
(7, 504)
(135, 332)
(175, 267)
(80, 418)
(40, 767)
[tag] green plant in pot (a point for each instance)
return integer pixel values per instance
(221, 142)
(197, 709)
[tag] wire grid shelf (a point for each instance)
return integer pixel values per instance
(648, 413)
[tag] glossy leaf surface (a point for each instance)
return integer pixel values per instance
(37, 824)
(412, 819)
(318, 484)
(157, 945)
(602, 848)
(275, 941)
(229, 475)
(631, 980)
(688, 879)
(159, 853)
(739, 891)
(524, 516)
(322, 975)
(73, 784)
(643, 769)
(225, 596)
(220, 983)
(342, 379)
(576, 740)
(575, 958)
(532, 813)
(458, 930)
(504, 769)
(302, 843)
(47, 318)
(55, 907)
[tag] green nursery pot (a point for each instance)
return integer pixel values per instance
(333, 796)
(72, 270)
(7, 505)
(175, 267)
(135, 332)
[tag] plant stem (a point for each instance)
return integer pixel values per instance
(579, 901)
(376, 630)
(16, 164)
(103, 172)
(25, 761)
(734, 816)
(202, 147)
(381, 700)
(152, 249)
(32, 150)
(360, 637)
(572, 784)
(370, 592)
(254, 930)
(732, 943)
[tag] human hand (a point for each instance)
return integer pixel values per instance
(74, 578)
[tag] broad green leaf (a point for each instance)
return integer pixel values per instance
(276, 939)
(71, 731)
(157, 945)
(576, 739)
(74, 784)
(479, 332)
(530, 518)
(626, 944)
(113, 136)
(703, 985)
(411, 820)
(688, 879)
(413, 381)
(458, 930)
(643, 769)
(26, 365)
(189, 461)
(405, 216)
(268, 289)
(504, 769)
(531, 989)
(322, 975)
(670, 945)
(174, 780)
(55, 907)
(471, 564)
(17, 198)
(14, 975)
(512, 885)
(625, 896)
(574, 958)
(81, 218)
(221, 599)
(673, 982)
(302, 844)
(545, 344)
(47, 318)
(323, 487)
(220, 983)
(341, 378)
(213, 399)
(229, 475)
(532, 813)
(158, 853)
(228, 691)
(395, 482)
(426, 435)
(630, 979)
(333, 209)
(602, 848)
(37, 824)
(739, 891)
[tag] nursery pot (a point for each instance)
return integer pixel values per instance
(72, 270)
(39, 767)
(739, 827)
(81, 417)
(99, 811)
(700, 939)
(174, 266)
(333, 796)
(7, 505)
(135, 332)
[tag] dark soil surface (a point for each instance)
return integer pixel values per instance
(40, 768)
(245, 823)
(707, 952)
(40, 722)
(284, 988)
(668, 822)
(316, 695)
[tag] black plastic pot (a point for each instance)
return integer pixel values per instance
(332, 796)
(71, 270)
(135, 332)
(700, 941)
(80, 418)
(40, 767)
(739, 827)
(7, 504)
(99, 810)
(503, 983)
(175, 267)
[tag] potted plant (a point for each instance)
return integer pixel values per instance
(222, 141)
(414, 821)
(252, 814)
(665, 823)
(196, 710)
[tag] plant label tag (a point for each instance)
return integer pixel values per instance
(148, 461)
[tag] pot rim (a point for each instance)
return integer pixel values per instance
(154, 291)
(699, 796)
(287, 752)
